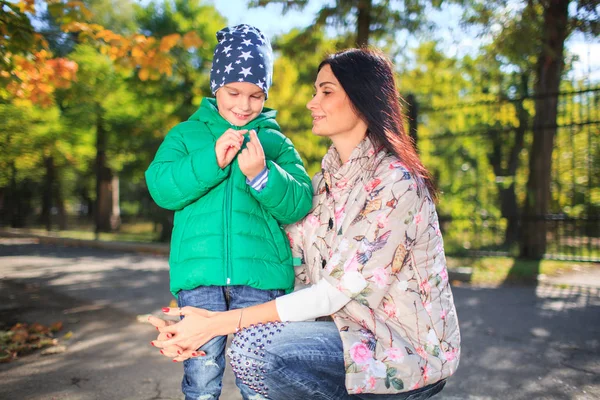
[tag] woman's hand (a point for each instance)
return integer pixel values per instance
(193, 331)
(179, 352)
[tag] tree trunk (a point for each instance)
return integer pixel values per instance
(363, 23)
(48, 193)
(13, 199)
(510, 211)
(508, 197)
(549, 68)
(103, 207)
(115, 216)
(60, 206)
(166, 222)
(413, 115)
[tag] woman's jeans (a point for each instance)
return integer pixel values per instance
(299, 360)
(202, 379)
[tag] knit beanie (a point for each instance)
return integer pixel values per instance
(243, 54)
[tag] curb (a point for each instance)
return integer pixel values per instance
(461, 274)
(134, 247)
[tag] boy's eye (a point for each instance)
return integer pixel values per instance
(257, 96)
(233, 94)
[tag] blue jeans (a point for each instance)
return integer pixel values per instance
(202, 379)
(299, 360)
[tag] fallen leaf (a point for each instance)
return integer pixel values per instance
(57, 326)
(54, 350)
(143, 318)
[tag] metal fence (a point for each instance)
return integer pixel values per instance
(479, 154)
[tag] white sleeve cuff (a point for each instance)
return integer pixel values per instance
(307, 304)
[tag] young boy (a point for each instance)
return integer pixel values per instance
(233, 179)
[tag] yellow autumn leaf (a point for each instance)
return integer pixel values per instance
(144, 74)
(168, 42)
(138, 38)
(191, 39)
(164, 67)
(137, 52)
(81, 8)
(96, 27)
(150, 41)
(27, 6)
(105, 34)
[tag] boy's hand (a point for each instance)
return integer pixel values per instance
(252, 159)
(228, 145)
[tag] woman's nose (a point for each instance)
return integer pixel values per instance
(311, 103)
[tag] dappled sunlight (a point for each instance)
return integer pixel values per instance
(106, 346)
(518, 341)
(524, 338)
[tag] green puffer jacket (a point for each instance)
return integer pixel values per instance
(225, 232)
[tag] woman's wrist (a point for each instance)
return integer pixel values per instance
(226, 322)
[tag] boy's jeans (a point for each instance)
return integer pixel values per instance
(299, 361)
(203, 375)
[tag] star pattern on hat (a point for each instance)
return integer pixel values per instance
(243, 54)
(246, 71)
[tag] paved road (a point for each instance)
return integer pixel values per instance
(518, 342)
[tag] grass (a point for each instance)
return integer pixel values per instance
(129, 232)
(493, 271)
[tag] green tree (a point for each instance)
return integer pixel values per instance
(536, 32)
(366, 21)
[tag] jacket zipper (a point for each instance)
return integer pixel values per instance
(227, 218)
(228, 211)
(228, 269)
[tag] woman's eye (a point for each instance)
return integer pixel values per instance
(326, 93)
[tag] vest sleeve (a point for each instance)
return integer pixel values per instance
(176, 178)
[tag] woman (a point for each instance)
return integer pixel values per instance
(372, 253)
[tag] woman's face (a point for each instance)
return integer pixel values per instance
(331, 109)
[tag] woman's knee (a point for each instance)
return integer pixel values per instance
(251, 357)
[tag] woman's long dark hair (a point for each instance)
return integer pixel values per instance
(368, 79)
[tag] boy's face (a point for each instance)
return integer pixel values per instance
(240, 102)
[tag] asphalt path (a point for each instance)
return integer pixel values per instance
(519, 342)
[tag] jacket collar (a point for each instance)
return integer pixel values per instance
(209, 113)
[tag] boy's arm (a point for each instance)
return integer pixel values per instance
(176, 178)
(287, 194)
